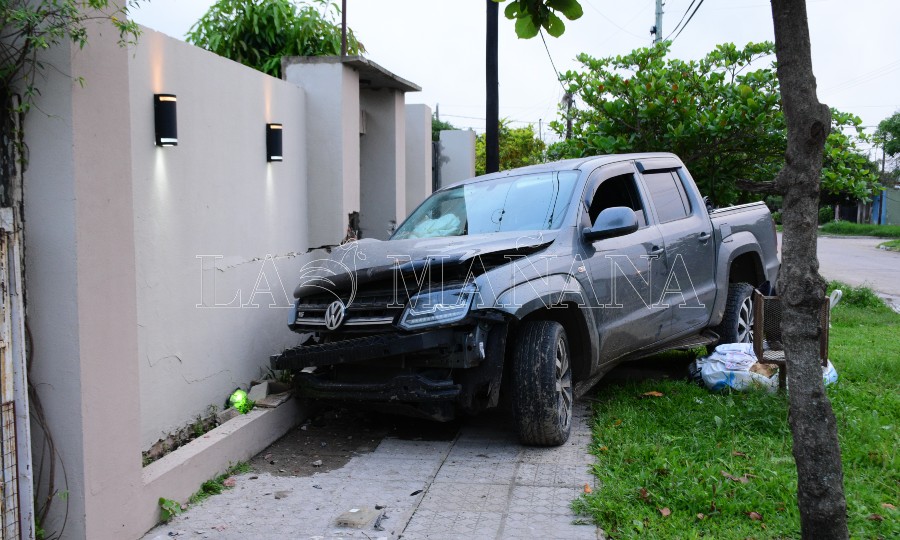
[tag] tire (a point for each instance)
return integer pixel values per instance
(737, 324)
(542, 393)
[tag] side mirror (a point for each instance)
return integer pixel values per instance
(612, 222)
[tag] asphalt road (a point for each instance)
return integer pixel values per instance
(857, 261)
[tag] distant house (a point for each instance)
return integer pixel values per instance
(886, 207)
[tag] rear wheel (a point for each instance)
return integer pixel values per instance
(543, 398)
(737, 324)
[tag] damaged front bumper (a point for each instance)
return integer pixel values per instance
(427, 373)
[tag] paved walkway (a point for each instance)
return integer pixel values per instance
(480, 485)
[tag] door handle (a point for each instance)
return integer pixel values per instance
(704, 237)
(656, 250)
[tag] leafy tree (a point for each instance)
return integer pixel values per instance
(889, 134)
(518, 147)
(30, 27)
(437, 126)
(722, 116)
(533, 15)
(258, 33)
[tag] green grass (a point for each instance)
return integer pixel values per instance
(892, 245)
(860, 229)
(676, 446)
(217, 484)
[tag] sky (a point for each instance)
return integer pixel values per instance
(439, 45)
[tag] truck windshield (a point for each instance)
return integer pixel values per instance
(523, 203)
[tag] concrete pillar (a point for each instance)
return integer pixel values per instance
(418, 155)
(382, 154)
(457, 156)
(332, 98)
(80, 276)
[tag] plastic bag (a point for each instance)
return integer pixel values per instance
(729, 366)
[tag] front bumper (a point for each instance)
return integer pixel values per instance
(441, 342)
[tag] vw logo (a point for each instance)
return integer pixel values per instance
(334, 315)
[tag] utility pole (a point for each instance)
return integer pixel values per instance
(343, 28)
(492, 112)
(657, 30)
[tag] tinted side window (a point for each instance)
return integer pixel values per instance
(618, 191)
(668, 196)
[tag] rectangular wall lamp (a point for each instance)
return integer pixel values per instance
(165, 119)
(273, 143)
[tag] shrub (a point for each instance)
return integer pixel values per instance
(777, 217)
(826, 215)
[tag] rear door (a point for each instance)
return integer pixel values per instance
(689, 288)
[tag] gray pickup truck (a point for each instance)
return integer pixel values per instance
(525, 287)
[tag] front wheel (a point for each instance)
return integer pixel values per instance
(737, 323)
(542, 384)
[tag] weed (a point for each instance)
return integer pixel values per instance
(217, 485)
(862, 297)
(168, 509)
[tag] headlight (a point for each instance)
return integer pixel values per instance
(434, 308)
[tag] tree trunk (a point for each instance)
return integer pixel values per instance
(820, 490)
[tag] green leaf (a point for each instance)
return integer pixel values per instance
(525, 28)
(512, 10)
(570, 8)
(555, 26)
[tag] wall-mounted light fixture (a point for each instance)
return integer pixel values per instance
(273, 142)
(165, 119)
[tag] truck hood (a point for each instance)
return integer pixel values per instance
(365, 261)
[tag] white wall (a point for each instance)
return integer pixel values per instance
(457, 160)
(418, 155)
(333, 123)
(213, 195)
(382, 155)
(121, 352)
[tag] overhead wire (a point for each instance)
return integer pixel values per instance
(685, 25)
(552, 63)
(682, 18)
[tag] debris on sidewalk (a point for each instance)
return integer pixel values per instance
(359, 518)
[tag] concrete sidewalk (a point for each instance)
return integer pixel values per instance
(482, 484)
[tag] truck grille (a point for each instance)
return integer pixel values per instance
(367, 311)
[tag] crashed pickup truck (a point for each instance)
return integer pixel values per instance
(523, 288)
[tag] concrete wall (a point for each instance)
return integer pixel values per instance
(418, 155)
(333, 147)
(212, 223)
(382, 155)
(114, 226)
(457, 160)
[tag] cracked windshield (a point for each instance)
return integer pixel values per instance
(524, 203)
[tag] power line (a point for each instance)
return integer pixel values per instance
(552, 63)
(682, 18)
(696, 9)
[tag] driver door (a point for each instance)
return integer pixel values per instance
(627, 273)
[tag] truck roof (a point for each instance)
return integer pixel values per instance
(584, 163)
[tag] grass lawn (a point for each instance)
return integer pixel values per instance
(892, 245)
(671, 454)
(860, 229)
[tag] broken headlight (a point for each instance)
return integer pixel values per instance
(437, 307)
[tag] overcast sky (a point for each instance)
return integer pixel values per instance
(439, 45)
